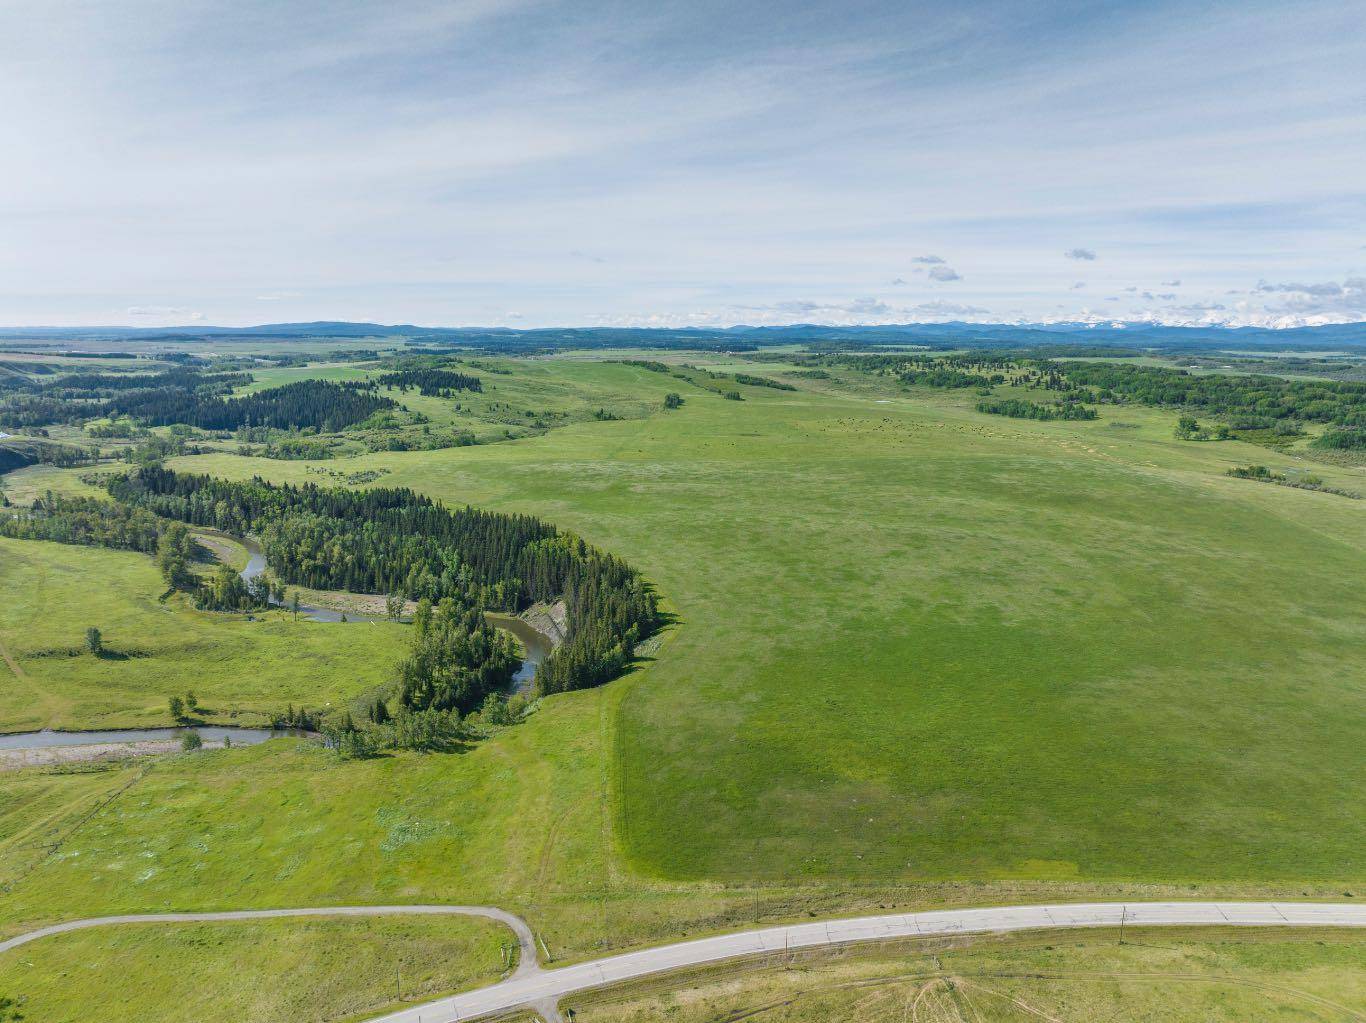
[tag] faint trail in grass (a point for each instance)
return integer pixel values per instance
(13, 664)
(1022, 1006)
(62, 839)
(527, 961)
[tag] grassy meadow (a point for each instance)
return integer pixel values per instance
(1170, 976)
(270, 971)
(240, 670)
(922, 656)
(920, 642)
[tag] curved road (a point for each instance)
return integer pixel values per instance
(527, 961)
(530, 986)
(541, 989)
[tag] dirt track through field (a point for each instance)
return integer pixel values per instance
(13, 664)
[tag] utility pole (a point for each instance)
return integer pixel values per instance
(1123, 915)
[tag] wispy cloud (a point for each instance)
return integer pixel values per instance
(1325, 289)
(164, 312)
(867, 310)
(443, 162)
(1323, 299)
(944, 273)
(936, 310)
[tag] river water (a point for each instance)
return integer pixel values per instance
(209, 733)
(536, 646)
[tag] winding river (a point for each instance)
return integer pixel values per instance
(536, 646)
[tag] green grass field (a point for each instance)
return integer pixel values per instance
(277, 971)
(920, 642)
(923, 655)
(1167, 976)
(240, 670)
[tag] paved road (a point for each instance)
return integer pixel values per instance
(541, 989)
(527, 961)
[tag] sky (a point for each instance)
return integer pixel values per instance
(535, 163)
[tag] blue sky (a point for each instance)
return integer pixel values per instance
(531, 163)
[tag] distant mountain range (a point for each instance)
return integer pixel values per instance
(1126, 335)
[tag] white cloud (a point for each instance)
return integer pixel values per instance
(933, 310)
(1318, 302)
(1327, 289)
(1172, 284)
(1089, 255)
(1078, 286)
(898, 281)
(928, 259)
(944, 273)
(163, 312)
(859, 311)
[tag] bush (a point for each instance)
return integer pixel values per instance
(191, 741)
(1262, 474)
(495, 711)
(429, 729)
(357, 745)
(1341, 440)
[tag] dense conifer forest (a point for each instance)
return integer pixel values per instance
(185, 396)
(397, 541)
(431, 382)
(307, 403)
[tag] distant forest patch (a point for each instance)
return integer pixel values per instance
(187, 396)
(1017, 409)
(431, 382)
